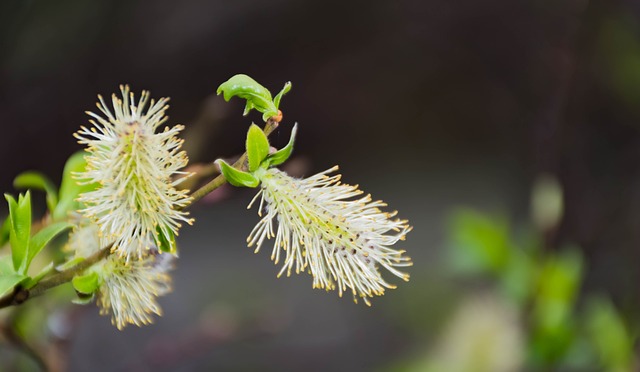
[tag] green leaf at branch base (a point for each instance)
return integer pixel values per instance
(237, 177)
(8, 277)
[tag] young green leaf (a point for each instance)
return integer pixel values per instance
(278, 97)
(8, 277)
(70, 189)
(237, 177)
(257, 147)
(42, 238)
(38, 181)
(284, 153)
(20, 234)
(87, 283)
(164, 244)
(257, 96)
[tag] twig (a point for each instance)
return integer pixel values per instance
(19, 295)
(200, 193)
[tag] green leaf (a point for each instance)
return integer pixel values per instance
(481, 244)
(257, 96)
(257, 147)
(166, 245)
(8, 282)
(284, 153)
(87, 283)
(285, 90)
(38, 181)
(8, 277)
(20, 215)
(43, 237)
(237, 177)
(552, 321)
(69, 188)
(610, 335)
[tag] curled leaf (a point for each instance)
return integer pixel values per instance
(257, 96)
(278, 97)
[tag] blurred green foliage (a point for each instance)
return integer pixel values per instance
(524, 307)
(544, 285)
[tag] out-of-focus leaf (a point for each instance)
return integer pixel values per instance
(480, 243)
(8, 277)
(552, 322)
(237, 177)
(519, 275)
(257, 147)
(38, 181)
(43, 237)
(69, 188)
(284, 153)
(610, 336)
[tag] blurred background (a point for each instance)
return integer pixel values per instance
(507, 132)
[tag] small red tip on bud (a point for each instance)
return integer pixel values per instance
(278, 118)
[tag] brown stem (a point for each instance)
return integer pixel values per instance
(20, 295)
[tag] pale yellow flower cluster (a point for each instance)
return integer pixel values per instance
(135, 206)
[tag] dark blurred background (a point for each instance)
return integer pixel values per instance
(428, 105)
